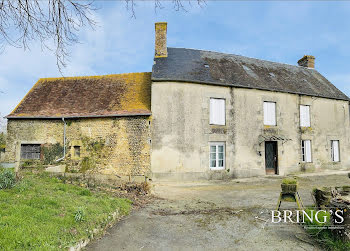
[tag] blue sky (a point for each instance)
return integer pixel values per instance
(277, 31)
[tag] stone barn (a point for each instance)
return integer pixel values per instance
(93, 123)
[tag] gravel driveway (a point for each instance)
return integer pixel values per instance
(215, 215)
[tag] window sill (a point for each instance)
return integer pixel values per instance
(304, 129)
(216, 168)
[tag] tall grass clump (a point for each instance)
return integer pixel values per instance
(7, 178)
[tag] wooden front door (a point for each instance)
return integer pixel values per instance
(271, 157)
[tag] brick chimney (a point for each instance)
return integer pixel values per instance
(161, 48)
(307, 61)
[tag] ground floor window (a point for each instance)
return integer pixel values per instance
(306, 150)
(30, 151)
(335, 150)
(217, 155)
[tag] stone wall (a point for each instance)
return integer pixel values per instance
(118, 145)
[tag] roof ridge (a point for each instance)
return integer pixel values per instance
(231, 54)
(92, 76)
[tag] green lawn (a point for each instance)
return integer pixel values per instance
(42, 213)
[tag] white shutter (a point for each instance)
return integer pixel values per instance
(304, 116)
(212, 104)
(335, 148)
(307, 145)
(266, 118)
(221, 111)
(273, 113)
(217, 111)
(269, 113)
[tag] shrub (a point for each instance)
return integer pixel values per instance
(87, 164)
(289, 181)
(52, 152)
(2, 142)
(79, 215)
(7, 178)
(146, 187)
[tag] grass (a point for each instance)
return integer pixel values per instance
(324, 236)
(42, 213)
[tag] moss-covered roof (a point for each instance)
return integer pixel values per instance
(92, 96)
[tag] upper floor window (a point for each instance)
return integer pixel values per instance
(269, 113)
(217, 111)
(335, 150)
(305, 116)
(306, 150)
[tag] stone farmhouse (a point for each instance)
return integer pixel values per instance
(197, 115)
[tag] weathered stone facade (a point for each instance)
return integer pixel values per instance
(182, 132)
(119, 145)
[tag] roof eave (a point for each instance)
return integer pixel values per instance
(82, 116)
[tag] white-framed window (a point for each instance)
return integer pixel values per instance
(306, 151)
(217, 111)
(217, 155)
(335, 150)
(269, 113)
(305, 116)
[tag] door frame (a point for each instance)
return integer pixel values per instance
(275, 169)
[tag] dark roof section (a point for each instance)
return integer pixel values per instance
(188, 65)
(79, 97)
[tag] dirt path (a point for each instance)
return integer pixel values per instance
(214, 215)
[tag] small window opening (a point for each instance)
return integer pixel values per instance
(30, 151)
(77, 151)
(335, 150)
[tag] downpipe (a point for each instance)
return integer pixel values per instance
(64, 141)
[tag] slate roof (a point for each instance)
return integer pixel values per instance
(95, 96)
(197, 66)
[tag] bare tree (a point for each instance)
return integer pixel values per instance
(22, 21)
(177, 4)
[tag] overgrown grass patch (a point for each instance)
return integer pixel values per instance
(321, 233)
(41, 212)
